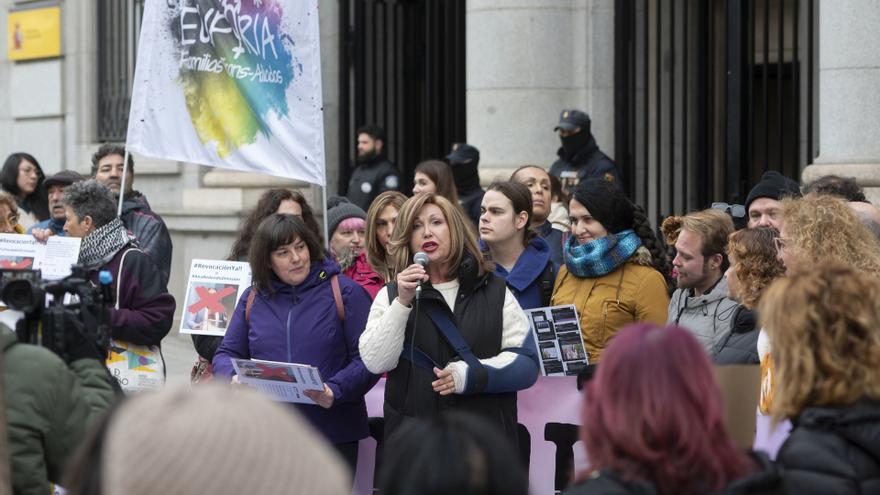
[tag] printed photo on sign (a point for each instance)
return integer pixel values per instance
(557, 331)
(213, 290)
(210, 306)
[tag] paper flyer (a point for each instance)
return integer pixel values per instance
(557, 330)
(213, 290)
(54, 257)
(283, 382)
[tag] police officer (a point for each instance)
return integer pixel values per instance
(579, 156)
(463, 159)
(373, 173)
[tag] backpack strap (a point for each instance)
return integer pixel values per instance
(547, 279)
(249, 304)
(337, 296)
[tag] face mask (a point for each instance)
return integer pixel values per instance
(465, 176)
(573, 143)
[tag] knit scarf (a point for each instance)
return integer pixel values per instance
(602, 256)
(103, 243)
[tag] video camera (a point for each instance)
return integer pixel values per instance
(60, 315)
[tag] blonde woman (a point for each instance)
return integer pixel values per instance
(9, 215)
(411, 337)
(381, 218)
(825, 327)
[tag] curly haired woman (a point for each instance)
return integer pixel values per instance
(825, 326)
(753, 266)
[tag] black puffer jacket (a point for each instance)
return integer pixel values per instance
(150, 232)
(740, 346)
(766, 480)
(834, 450)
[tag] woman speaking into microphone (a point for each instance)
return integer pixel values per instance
(464, 343)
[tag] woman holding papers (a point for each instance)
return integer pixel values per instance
(521, 257)
(612, 271)
(290, 315)
(448, 332)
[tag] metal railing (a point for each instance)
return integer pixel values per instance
(711, 94)
(118, 29)
(402, 67)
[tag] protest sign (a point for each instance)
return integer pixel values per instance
(557, 330)
(284, 382)
(213, 290)
(231, 83)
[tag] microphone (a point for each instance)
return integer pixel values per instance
(420, 258)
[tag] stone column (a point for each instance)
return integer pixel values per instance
(526, 61)
(849, 103)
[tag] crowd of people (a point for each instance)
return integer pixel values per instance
(430, 290)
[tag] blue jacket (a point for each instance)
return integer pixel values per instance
(299, 325)
(524, 280)
(57, 227)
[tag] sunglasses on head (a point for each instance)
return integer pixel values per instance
(734, 210)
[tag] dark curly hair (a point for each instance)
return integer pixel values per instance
(267, 205)
(843, 187)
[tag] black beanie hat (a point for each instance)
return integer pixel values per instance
(773, 185)
(606, 204)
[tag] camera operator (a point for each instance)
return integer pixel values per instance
(49, 406)
(145, 310)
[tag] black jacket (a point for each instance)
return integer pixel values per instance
(478, 316)
(766, 480)
(833, 450)
(150, 232)
(589, 163)
(370, 179)
(740, 346)
(471, 202)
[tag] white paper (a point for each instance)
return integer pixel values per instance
(557, 332)
(213, 290)
(283, 382)
(56, 256)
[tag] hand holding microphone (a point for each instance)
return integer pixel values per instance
(409, 281)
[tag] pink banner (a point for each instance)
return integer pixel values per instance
(550, 413)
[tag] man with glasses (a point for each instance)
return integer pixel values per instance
(762, 203)
(579, 157)
(701, 303)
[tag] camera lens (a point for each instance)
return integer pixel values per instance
(20, 295)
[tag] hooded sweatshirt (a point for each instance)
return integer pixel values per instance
(710, 317)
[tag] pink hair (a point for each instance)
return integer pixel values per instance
(653, 412)
(352, 223)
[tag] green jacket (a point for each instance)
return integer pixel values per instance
(49, 407)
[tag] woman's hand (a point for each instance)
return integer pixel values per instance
(42, 235)
(445, 383)
(407, 281)
(323, 399)
(235, 381)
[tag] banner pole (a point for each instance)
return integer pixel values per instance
(324, 207)
(122, 186)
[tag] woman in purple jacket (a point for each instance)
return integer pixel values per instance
(293, 318)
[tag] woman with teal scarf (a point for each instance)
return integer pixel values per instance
(615, 271)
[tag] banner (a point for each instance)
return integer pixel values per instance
(213, 290)
(231, 83)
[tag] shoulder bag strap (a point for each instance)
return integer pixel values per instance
(249, 304)
(337, 296)
(453, 336)
(119, 273)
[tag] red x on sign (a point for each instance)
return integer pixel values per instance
(11, 264)
(214, 301)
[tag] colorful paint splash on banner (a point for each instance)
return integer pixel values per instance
(236, 65)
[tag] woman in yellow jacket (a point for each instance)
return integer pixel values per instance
(614, 267)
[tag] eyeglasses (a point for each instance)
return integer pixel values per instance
(734, 210)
